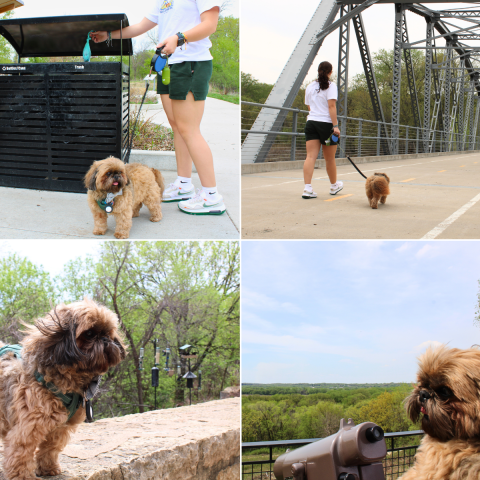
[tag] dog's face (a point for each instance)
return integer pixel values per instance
(448, 393)
(107, 175)
(82, 336)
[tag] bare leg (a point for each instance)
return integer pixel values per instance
(313, 147)
(329, 154)
(188, 115)
(50, 448)
(184, 160)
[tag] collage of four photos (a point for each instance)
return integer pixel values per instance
(239, 240)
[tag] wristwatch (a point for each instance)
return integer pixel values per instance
(181, 39)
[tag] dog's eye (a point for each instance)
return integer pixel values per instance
(108, 174)
(89, 333)
(444, 392)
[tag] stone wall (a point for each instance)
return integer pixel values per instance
(201, 442)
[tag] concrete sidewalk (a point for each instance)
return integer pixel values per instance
(28, 214)
(434, 197)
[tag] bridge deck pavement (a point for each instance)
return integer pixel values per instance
(431, 197)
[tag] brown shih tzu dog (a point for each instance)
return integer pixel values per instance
(60, 357)
(448, 399)
(377, 187)
(121, 190)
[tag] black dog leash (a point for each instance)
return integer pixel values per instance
(127, 156)
(351, 161)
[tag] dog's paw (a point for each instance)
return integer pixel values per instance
(156, 218)
(99, 231)
(48, 471)
(121, 236)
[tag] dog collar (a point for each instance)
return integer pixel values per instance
(71, 401)
(108, 202)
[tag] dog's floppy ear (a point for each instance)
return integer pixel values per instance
(91, 178)
(59, 332)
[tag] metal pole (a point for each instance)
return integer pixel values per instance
(293, 146)
(378, 138)
(360, 138)
(428, 84)
(397, 76)
(406, 140)
(342, 81)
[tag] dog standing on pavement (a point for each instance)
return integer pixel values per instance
(377, 188)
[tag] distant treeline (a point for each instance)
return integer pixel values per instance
(298, 416)
(307, 388)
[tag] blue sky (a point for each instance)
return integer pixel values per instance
(353, 312)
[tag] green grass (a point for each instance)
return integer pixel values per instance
(226, 98)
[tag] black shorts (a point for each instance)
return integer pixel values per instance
(318, 131)
(187, 77)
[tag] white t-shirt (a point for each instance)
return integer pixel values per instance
(318, 101)
(173, 16)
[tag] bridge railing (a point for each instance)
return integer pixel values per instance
(258, 457)
(359, 137)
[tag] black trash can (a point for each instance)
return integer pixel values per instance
(57, 118)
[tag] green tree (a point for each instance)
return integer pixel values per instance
(26, 292)
(225, 51)
(178, 292)
(6, 51)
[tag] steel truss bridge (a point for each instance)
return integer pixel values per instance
(451, 84)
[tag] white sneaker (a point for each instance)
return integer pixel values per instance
(199, 205)
(335, 188)
(309, 193)
(177, 193)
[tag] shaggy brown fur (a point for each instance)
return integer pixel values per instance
(140, 185)
(377, 187)
(69, 347)
(448, 398)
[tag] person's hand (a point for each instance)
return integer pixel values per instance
(336, 131)
(169, 44)
(99, 37)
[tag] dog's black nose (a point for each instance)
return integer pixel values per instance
(424, 395)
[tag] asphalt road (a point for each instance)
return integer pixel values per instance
(434, 197)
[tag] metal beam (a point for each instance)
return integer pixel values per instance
(410, 73)
(371, 80)
(428, 86)
(255, 148)
(397, 77)
(342, 80)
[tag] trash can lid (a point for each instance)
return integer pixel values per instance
(63, 36)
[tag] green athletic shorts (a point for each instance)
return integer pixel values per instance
(187, 77)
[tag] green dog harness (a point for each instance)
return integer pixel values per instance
(71, 401)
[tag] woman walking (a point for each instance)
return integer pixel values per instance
(321, 98)
(183, 28)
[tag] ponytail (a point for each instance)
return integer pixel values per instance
(323, 70)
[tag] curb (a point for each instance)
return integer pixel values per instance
(161, 160)
(320, 163)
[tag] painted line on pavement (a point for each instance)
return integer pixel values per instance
(350, 173)
(408, 180)
(440, 171)
(441, 227)
(338, 198)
